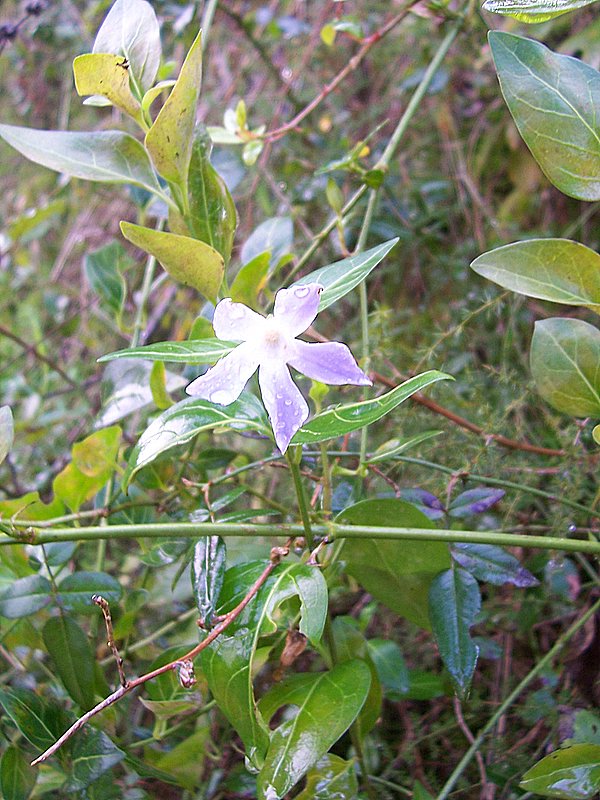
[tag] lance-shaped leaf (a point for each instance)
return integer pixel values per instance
(107, 156)
(72, 656)
(565, 354)
(340, 278)
(454, 602)
(180, 423)
(344, 419)
(131, 30)
(7, 431)
(228, 662)
(17, 776)
(208, 572)
(104, 272)
(329, 706)
(188, 260)
(212, 217)
(169, 140)
(106, 75)
(192, 351)
(534, 10)
(554, 101)
(41, 723)
(572, 773)
(551, 269)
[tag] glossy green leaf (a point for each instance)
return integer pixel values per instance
(228, 663)
(275, 236)
(553, 100)
(130, 29)
(104, 272)
(390, 665)
(17, 776)
(39, 722)
(108, 156)
(7, 431)
(188, 260)
(185, 420)
(340, 420)
(331, 778)
(25, 596)
(251, 279)
(192, 351)
(397, 574)
(108, 76)
(93, 754)
(454, 602)
(72, 656)
(340, 278)
(212, 217)
(572, 774)
(329, 707)
(208, 572)
(492, 564)
(534, 10)
(551, 269)
(394, 447)
(76, 591)
(93, 462)
(169, 140)
(565, 354)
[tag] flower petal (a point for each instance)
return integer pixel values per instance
(224, 382)
(296, 307)
(328, 362)
(285, 405)
(235, 321)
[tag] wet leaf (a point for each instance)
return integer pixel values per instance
(93, 754)
(208, 571)
(331, 778)
(192, 351)
(572, 774)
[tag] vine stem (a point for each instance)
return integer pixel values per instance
(292, 456)
(332, 531)
(539, 667)
(129, 686)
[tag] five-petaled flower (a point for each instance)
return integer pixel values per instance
(269, 344)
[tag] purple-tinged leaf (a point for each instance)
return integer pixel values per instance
(475, 501)
(426, 502)
(486, 562)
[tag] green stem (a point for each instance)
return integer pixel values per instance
(326, 482)
(292, 456)
(502, 708)
(207, 18)
(191, 530)
(144, 295)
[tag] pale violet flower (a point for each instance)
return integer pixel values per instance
(269, 344)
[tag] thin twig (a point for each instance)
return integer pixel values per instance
(30, 348)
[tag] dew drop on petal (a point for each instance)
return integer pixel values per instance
(287, 402)
(301, 291)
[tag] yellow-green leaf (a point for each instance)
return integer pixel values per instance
(92, 465)
(106, 75)
(188, 260)
(158, 386)
(169, 140)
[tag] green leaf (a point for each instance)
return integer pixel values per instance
(76, 591)
(131, 30)
(92, 465)
(553, 100)
(340, 420)
(208, 572)
(396, 574)
(251, 279)
(158, 386)
(228, 663)
(572, 773)
(454, 602)
(40, 723)
(212, 216)
(395, 447)
(17, 777)
(340, 278)
(93, 754)
(70, 650)
(331, 703)
(108, 76)
(152, 93)
(169, 140)
(331, 778)
(7, 431)
(551, 269)
(108, 156)
(565, 354)
(188, 260)
(183, 421)
(104, 272)
(492, 564)
(534, 10)
(25, 596)
(390, 665)
(193, 351)
(274, 236)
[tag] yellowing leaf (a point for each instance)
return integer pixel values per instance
(92, 465)
(106, 75)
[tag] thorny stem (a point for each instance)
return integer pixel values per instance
(129, 686)
(502, 708)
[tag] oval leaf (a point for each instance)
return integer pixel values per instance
(475, 501)
(332, 702)
(492, 564)
(193, 351)
(40, 723)
(73, 659)
(108, 156)
(332, 778)
(565, 354)
(188, 260)
(554, 101)
(572, 773)
(76, 590)
(341, 420)
(534, 10)
(551, 269)
(108, 76)
(274, 236)
(17, 776)
(25, 596)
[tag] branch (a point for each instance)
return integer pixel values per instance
(30, 348)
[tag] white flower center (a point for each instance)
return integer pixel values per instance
(273, 340)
